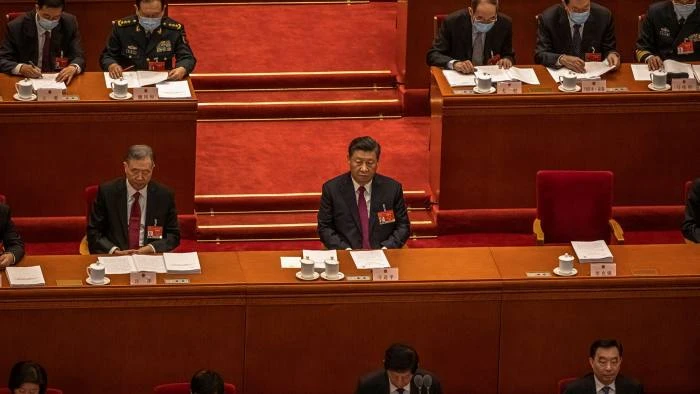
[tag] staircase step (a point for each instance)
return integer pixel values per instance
(295, 95)
(289, 80)
(284, 225)
(239, 203)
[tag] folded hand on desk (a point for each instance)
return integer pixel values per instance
(573, 63)
(614, 60)
(6, 260)
(465, 67)
(177, 74)
(654, 63)
(505, 63)
(66, 75)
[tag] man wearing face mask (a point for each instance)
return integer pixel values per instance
(574, 32)
(44, 40)
(671, 30)
(148, 40)
(473, 37)
(605, 358)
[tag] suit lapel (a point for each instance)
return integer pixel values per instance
(122, 204)
(590, 30)
(30, 33)
(565, 29)
(150, 195)
(154, 39)
(347, 190)
(375, 204)
(467, 33)
(56, 39)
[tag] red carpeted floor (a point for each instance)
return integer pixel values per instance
(265, 38)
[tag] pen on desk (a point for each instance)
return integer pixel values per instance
(31, 63)
(128, 68)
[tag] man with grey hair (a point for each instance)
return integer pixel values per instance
(134, 214)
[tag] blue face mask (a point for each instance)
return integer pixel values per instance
(149, 24)
(47, 24)
(483, 27)
(684, 10)
(579, 18)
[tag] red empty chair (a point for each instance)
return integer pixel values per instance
(5, 390)
(184, 388)
(575, 206)
(2, 199)
(437, 22)
(89, 194)
(563, 383)
(12, 15)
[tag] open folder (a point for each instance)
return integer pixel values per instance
(138, 79)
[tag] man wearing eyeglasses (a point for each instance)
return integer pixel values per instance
(605, 357)
(472, 37)
(574, 32)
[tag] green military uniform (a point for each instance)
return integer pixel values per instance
(661, 34)
(130, 45)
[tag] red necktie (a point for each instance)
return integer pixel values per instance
(364, 218)
(45, 53)
(135, 222)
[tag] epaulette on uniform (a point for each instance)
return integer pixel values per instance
(125, 22)
(173, 25)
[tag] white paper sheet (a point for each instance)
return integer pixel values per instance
(455, 78)
(368, 259)
(174, 89)
(117, 265)
(149, 263)
(290, 262)
(47, 81)
(593, 70)
(137, 79)
(498, 74)
(592, 252)
(319, 257)
(182, 263)
(25, 276)
(641, 72)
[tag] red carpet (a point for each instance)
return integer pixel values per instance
(265, 38)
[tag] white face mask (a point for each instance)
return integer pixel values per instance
(684, 10)
(149, 24)
(48, 24)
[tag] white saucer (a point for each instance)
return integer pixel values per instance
(31, 98)
(316, 276)
(559, 273)
(491, 90)
(113, 97)
(339, 277)
(561, 89)
(90, 282)
(651, 86)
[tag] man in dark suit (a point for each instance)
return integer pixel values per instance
(573, 32)
(398, 375)
(362, 209)
(12, 249)
(605, 357)
(134, 215)
(671, 30)
(473, 37)
(44, 40)
(691, 224)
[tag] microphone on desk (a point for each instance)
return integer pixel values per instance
(427, 381)
(418, 381)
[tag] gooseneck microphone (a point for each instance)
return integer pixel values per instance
(418, 381)
(427, 381)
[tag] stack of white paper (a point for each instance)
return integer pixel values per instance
(25, 276)
(592, 252)
(174, 90)
(118, 265)
(182, 263)
(593, 71)
(369, 259)
(499, 74)
(319, 257)
(47, 81)
(456, 78)
(641, 72)
(138, 79)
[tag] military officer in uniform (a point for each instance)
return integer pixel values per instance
(671, 30)
(148, 40)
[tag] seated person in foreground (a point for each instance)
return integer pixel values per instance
(575, 31)
(362, 209)
(206, 382)
(27, 377)
(134, 214)
(691, 224)
(12, 249)
(671, 30)
(605, 357)
(473, 37)
(397, 377)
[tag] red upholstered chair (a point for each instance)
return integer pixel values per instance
(184, 388)
(563, 383)
(5, 390)
(640, 22)
(89, 194)
(12, 15)
(437, 22)
(575, 206)
(2, 199)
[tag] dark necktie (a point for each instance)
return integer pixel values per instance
(681, 21)
(606, 389)
(478, 52)
(576, 42)
(400, 391)
(364, 218)
(135, 222)
(46, 53)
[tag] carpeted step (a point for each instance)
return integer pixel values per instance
(203, 82)
(237, 203)
(284, 225)
(299, 104)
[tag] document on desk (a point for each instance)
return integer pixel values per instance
(319, 257)
(369, 259)
(138, 79)
(592, 252)
(25, 276)
(174, 89)
(182, 263)
(498, 74)
(456, 78)
(641, 72)
(594, 70)
(47, 81)
(290, 262)
(119, 265)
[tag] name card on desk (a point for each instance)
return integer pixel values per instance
(604, 269)
(49, 94)
(593, 86)
(142, 278)
(385, 274)
(509, 87)
(147, 93)
(684, 85)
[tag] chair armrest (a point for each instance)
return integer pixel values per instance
(617, 231)
(84, 250)
(537, 229)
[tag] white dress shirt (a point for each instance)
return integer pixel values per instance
(599, 386)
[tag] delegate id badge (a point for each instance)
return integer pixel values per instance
(686, 48)
(60, 63)
(155, 231)
(594, 57)
(156, 66)
(493, 60)
(386, 216)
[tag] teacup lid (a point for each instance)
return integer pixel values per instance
(25, 82)
(566, 256)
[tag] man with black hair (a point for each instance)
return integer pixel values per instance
(397, 377)
(44, 40)
(362, 209)
(605, 358)
(206, 382)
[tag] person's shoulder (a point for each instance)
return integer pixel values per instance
(337, 180)
(503, 18)
(372, 379)
(595, 7)
(580, 385)
(385, 180)
(128, 21)
(112, 184)
(160, 188)
(17, 23)
(68, 17)
(456, 16)
(659, 8)
(172, 24)
(552, 11)
(628, 383)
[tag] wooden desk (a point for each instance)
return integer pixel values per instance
(52, 151)
(486, 149)
(478, 322)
